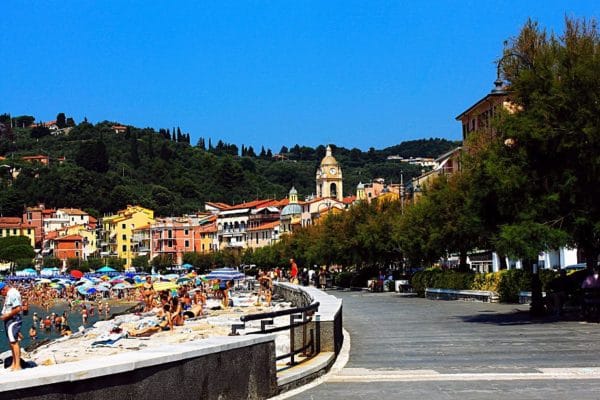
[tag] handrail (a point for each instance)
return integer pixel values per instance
(300, 317)
(253, 317)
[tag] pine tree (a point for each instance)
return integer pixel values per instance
(262, 152)
(61, 121)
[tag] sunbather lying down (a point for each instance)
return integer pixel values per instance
(165, 323)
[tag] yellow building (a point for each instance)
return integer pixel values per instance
(13, 226)
(118, 229)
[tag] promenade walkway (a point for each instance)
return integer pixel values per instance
(413, 348)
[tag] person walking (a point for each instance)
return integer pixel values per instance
(11, 315)
(293, 272)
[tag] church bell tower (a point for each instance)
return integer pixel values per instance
(329, 177)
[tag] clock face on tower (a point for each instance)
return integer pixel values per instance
(332, 171)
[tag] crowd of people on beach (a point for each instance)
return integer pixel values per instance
(169, 303)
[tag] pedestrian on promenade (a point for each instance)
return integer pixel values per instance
(293, 272)
(11, 315)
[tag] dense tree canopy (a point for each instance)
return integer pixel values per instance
(553, 160)
(105, 170)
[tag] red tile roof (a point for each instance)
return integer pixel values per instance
(10, 222)
(70, 238)
(349, 200)
(250, 204)
(51, 235)
(220, 206)
(73, 211)
(265, 226)
(208, 228)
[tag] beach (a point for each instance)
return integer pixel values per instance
(105, 337)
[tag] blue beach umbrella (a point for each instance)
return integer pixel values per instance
(105, 269)
(226, 274)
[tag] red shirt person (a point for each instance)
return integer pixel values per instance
(294, 271)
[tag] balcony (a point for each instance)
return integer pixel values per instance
(231, 231)
(234, 245)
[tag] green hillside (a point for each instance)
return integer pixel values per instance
(104, 171)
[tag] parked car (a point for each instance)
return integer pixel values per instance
(575, 267)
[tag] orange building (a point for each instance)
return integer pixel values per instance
(174, 237)
(66, 247)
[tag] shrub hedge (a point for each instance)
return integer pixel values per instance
(507, 283)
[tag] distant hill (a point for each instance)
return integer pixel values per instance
(108, 165)
(421, 148)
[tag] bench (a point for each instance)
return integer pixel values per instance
(486, 296)
(525, 297)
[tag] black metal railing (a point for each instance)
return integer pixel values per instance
(300, 317)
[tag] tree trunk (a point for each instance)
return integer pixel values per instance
(537, 304)
(462, 261)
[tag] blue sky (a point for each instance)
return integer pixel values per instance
(357, 74)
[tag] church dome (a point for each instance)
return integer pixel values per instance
(291, 209)
(328, 159)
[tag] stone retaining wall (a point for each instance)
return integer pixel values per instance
(327, 322)
(218, 368)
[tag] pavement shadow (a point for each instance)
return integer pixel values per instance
(517, 317)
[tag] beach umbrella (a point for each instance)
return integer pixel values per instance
(114, 281)
(83, 289)
(44, 280)
(129, 280)
(129, 275)
(171, 277)
(106, 269)
(160, 286)
(29, 272)
(104, 284)
(122, 285)
(101, 288)
(187, 266)
(56, 285)
(84, 281)
(226, 274)
(91, 290)
(76, 274)
(200, 279)
(182, 281)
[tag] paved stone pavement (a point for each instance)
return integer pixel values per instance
(404, 347)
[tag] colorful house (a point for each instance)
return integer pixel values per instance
(117, 232)
(13, 226)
